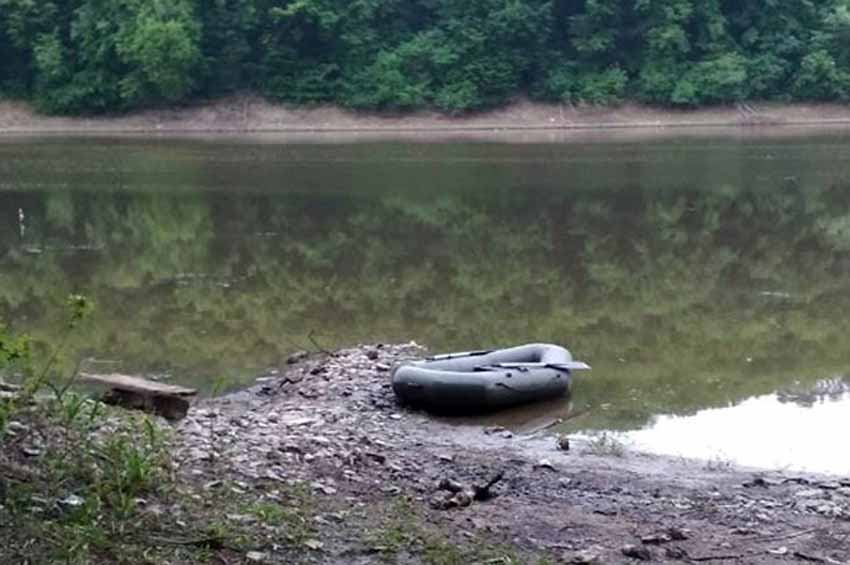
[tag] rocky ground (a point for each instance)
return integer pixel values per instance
(374, 482)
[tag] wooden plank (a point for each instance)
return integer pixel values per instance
(138, 385)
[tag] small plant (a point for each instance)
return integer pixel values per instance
(134, 462)
(606, 445)
(718, 463)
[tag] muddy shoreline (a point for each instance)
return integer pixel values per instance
(253, 115)
(332, 425)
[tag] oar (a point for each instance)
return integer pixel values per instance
(568, 366)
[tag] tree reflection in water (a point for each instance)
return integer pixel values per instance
(687, 277)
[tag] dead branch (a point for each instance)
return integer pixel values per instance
(318, 346)
(483, 493)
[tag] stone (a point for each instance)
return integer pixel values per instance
(297, 357)
(545, 464)
(584, 556)
(242, 518)
(30, 451)
(325, 489)
(9, 387)
(655, 539)
(461, 499)
(809, 493)
(440, 501)
(256, 556)
(450, 485)
(297, 420)
(72, 501)
(675, 553)
(14, 427)
(639, 552)
(372, 354)
(563, 443)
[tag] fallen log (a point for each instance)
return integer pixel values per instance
(169, 401)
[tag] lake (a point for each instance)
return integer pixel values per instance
(705, 279)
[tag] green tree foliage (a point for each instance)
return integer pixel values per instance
(75, 56)
(160, 46)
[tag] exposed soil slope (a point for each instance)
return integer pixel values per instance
(253, 114)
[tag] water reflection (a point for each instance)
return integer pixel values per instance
(765, 431)
(690, 274)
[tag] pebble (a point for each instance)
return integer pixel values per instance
(584, 556)
(297, 357)
(655, 539)
(72, 501)
(14, 427)
(323, 488)
(808, 493)
(449, 485)
(637, 552)
(545, 464)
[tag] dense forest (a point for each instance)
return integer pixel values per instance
(89, 56)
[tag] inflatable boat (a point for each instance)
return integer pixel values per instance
(476, 381)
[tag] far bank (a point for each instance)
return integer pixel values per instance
(249, 114)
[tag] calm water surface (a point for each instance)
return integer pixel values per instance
(706, 280)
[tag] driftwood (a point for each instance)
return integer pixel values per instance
(169, 401)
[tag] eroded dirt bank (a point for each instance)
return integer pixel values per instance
(382, 481)
(253, 114)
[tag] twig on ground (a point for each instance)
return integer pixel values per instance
(721, 557)
(787, 536)
(210, 542)
(810, 558)
(319, 347)
(556, 422)
(483, 493)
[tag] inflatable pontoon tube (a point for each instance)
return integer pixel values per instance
(475, 381)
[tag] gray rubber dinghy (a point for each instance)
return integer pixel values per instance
(476, 381)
